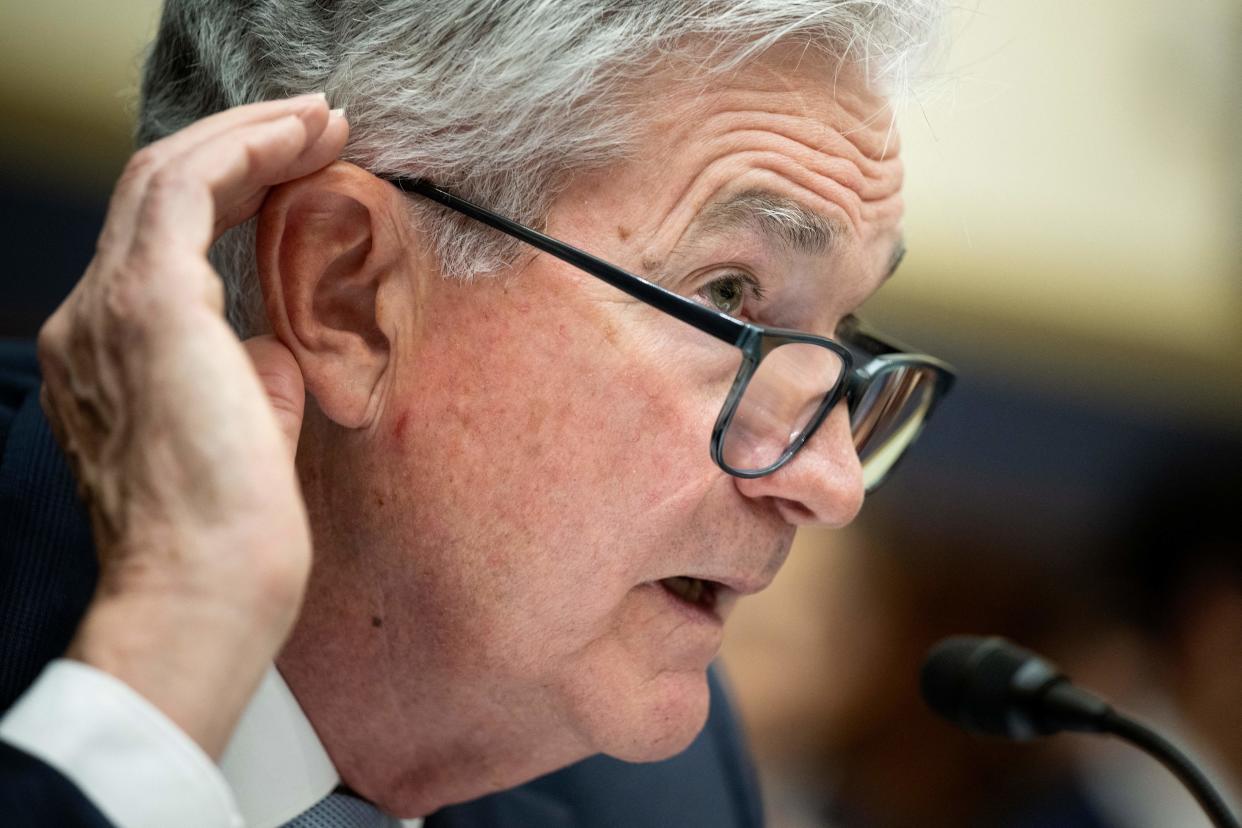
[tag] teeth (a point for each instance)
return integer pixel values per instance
(694, 590)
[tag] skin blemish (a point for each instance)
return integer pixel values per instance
(538, 413)
(610, 332)
(398, 428)
(623, 232)
(376, 621)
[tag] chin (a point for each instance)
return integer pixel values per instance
(658, 721)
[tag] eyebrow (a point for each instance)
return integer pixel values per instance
(778, 217)
(799, 229)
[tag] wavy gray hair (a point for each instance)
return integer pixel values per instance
(499, 99)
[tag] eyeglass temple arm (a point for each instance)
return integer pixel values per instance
(719, 325)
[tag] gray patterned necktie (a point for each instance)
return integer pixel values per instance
(340, 810)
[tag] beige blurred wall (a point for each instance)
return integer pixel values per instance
(68, 80)
(1074, 193)
(1075, 197)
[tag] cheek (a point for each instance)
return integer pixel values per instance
(543, 466)
(578, 423)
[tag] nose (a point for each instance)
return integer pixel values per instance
(822, 485)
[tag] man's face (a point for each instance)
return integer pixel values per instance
(540, 464)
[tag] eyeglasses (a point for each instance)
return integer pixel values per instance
(788, 381)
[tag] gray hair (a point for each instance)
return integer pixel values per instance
(498, 99)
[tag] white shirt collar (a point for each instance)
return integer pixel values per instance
(275, 763)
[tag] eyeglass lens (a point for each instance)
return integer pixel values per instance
(788, 389)
(781, 398)
(888, 416)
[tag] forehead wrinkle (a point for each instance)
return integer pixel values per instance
(792, 179)
(718, 213)
(830, 155)
(855, 143)
(815, 168)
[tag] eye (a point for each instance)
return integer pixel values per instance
(728, 293)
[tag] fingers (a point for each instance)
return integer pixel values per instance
(228, 177)
(150, 276)
(281, 378)
(130, 191)
(313, 108)
(239, 199)
(236, 155)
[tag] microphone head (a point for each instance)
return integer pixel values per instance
(987, 685)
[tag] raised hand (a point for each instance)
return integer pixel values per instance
(182, 438)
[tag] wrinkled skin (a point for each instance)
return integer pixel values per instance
(497, 473)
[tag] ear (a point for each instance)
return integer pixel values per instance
(330, 262)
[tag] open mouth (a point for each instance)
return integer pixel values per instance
(697, 592)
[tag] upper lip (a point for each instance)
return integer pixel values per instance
(743, 567)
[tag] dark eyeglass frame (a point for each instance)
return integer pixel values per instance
(753, 340)
(879, 356)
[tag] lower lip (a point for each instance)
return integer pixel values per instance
(695, 613)
(685, 635)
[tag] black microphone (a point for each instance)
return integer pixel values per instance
(992, 686)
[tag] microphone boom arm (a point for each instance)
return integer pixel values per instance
(1165, 752)
(990, 685)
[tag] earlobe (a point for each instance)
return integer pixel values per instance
(326, 256)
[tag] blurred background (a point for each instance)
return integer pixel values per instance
(1074, 214)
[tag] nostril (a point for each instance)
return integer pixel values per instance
(793, 511)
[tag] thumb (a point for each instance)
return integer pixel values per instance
(281, 378)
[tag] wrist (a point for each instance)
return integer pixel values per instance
(198, 662)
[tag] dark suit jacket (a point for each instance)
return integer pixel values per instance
(47, 573)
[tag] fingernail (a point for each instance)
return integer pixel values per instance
(337, 113)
